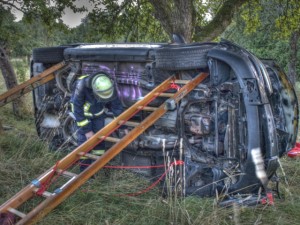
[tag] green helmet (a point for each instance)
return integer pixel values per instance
(102, 86)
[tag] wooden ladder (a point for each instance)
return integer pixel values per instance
(29, 85)
(51, 200)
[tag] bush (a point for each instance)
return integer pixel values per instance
(21, 68)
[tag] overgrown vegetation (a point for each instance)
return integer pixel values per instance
(23, 157)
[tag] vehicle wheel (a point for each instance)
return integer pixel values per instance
(62, 83)
(65, 80)
(182, 58)
(69, 130)
(48, 55)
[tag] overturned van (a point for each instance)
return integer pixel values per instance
(245, 105)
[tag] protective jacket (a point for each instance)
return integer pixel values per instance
(86, 107)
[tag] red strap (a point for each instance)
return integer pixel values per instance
(268, 200)
(176, 163)
(174, 86)
(46, 184)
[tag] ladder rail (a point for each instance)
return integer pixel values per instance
(25, 194)
(63, 164)
(30, 84)
(50, 203)
(53, 200)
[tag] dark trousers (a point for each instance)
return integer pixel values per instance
(97, 124)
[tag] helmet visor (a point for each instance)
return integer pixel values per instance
(105, 93)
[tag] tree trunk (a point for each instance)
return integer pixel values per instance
(176, 17)
(180, 17)
(10, 80)
(293, 55)
(1, 127)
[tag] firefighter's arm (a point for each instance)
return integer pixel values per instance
(116, 107)
(78, 108)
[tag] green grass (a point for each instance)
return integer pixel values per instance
(23, 157)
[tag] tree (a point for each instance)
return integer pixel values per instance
(8, 31)
(129, 21)
(187, 18)
(49, 12)
(294, 38)
(271, 24)
(289, 22)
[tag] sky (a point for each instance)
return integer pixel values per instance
(72, 19)
(69, 18)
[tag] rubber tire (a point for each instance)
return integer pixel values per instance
(49, 54)
(67, 128)
(182, 57)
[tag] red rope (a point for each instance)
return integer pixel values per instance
(134, 167)
(125, 167)
(179, 162)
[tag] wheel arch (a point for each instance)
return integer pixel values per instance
(255, 101)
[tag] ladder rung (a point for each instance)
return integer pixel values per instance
(16, 212)
(181, 81)
(147, 108)
(129, 123)
(66, 173)
(45, 194)
(111, 139)
(169, 95)
(91, 156)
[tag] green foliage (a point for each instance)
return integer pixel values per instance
(251, 13)
(288, 19)
(130, 21)
(266, 40)
(203, 9)
(41, 25)
(282, 16)
(21, 68)
(9, 29)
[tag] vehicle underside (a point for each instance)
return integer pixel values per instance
(244, 106)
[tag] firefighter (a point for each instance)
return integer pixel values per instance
(92, 96)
